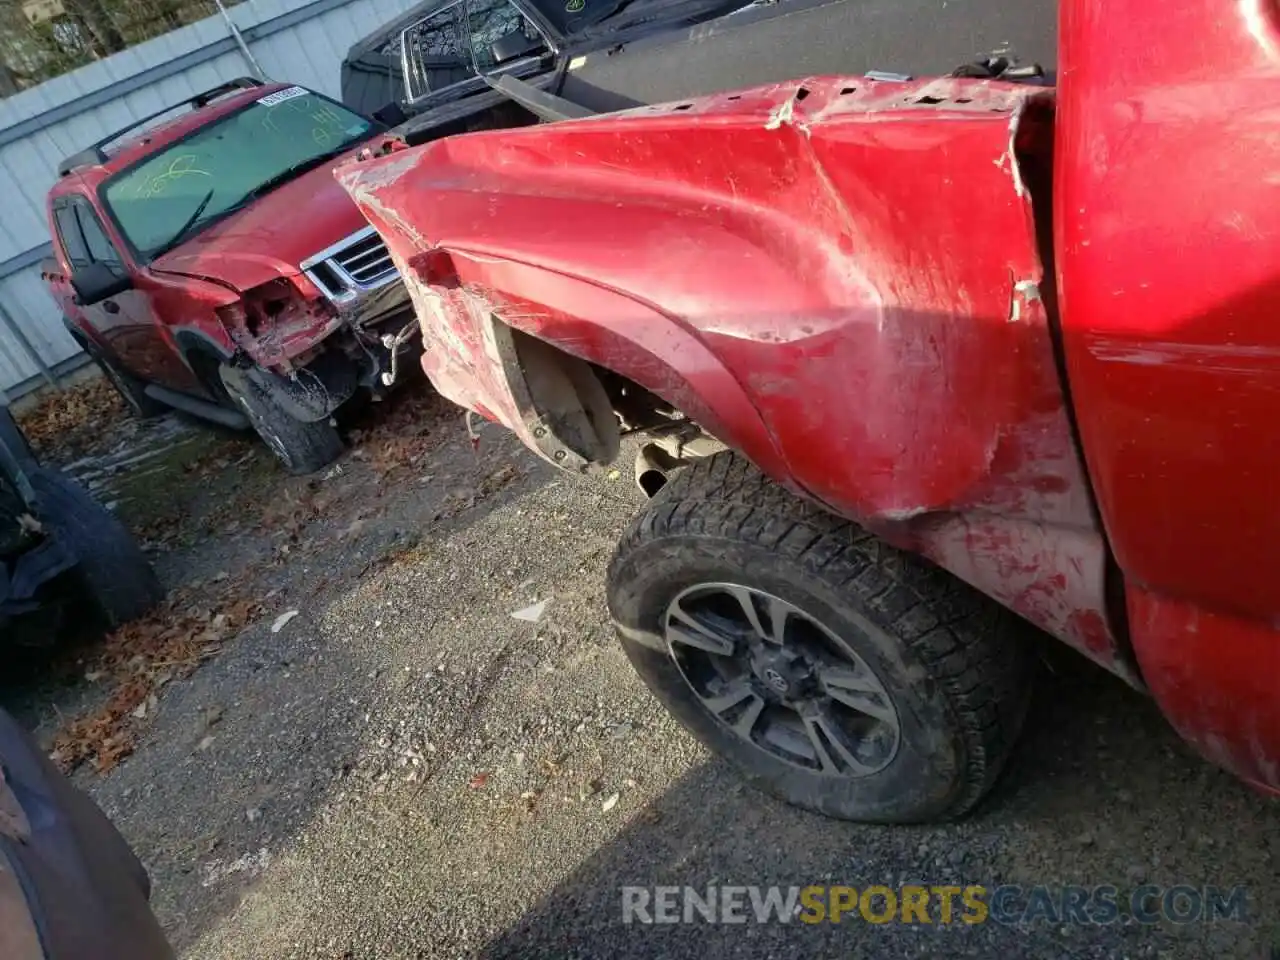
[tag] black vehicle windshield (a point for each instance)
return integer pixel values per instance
(196, 181)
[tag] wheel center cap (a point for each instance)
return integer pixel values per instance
(783, 674)
(776, 680)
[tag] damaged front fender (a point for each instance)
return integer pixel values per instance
(840, 277)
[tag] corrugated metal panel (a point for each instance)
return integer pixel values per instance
(27, 301)
(302, 41)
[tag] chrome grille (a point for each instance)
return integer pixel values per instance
(366, 261)
(352, 266)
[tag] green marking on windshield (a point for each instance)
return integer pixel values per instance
(183, 165)
(266, 143)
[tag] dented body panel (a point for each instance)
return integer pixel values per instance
(780, 265)
(891, 299)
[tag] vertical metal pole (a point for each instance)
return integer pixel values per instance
(9, 324)
(239, 38)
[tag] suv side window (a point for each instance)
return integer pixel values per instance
(69, 236)
(99, 245)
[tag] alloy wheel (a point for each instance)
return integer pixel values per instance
(779, 679)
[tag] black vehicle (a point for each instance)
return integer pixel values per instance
(63, 557)
(433, 69)
(70, 887)
(452, 66)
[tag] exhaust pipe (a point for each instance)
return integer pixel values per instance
(653, 464)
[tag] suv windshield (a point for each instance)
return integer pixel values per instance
(172, 194)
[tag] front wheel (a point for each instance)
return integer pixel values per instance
(834, 671)
(303, 447)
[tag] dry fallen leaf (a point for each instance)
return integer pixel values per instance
(282, 621)
(136, 660)
(73, 418)
(478, 781)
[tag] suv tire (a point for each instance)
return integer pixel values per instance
(834, 671)
(112, 567)
(301, 446)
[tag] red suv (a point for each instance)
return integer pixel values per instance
(211, 263)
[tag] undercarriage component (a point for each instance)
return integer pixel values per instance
(669, 449)
(393, 343)
(561, 399)
(312, 393)
(653, 464)
(196, 407)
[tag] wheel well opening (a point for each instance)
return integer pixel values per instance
(578, 406)
(204, 363)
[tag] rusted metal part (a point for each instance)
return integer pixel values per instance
(274, 324)
(837, 276)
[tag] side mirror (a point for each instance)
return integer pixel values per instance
(96, 283)
(391, 115)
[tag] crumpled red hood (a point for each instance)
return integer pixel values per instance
(269, 238)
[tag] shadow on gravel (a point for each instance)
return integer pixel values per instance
(235, 760)
(239, 764)
(1090, 745)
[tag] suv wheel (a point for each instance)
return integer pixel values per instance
(112, 567)
(130, 388)
(301, 446)
(836, 672)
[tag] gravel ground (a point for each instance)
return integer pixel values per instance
(406, 770)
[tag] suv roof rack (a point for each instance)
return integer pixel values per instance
(95, 154)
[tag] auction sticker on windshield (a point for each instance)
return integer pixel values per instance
(280, 96)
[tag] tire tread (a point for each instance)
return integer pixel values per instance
(967, 643)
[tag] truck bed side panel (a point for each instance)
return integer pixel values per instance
(1168, 217)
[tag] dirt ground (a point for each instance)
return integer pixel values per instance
(337, 742)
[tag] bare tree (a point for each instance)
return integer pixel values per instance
(98, 24)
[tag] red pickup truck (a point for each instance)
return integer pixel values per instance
(961, 337)
(210, 263)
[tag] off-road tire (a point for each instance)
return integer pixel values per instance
(950, 659)
(301, 446)
(131, 389)
(112, 569)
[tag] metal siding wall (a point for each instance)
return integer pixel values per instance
(27, 300)
(308, 52)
